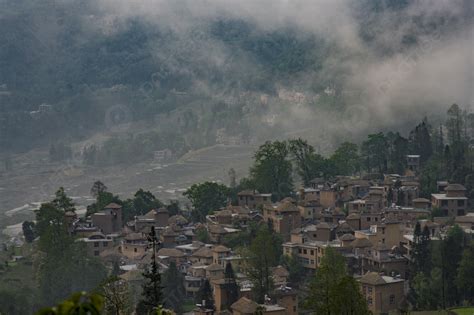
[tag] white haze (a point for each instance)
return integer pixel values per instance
(392, 89)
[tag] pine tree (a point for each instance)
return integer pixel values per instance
(173, 288)
(204, 296)
(151, 295)
(231, 287)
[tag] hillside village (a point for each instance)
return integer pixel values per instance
(238, 250)
(375, 236)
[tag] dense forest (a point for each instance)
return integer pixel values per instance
(74, 69)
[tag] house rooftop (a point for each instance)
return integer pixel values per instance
(374, 278)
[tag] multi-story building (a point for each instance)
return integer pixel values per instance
(253, 199)
(97, 242)
(283, 217)
(310, 253)
(382, 293)
(452, 202)
(108, 220)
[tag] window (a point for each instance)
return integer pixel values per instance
(376, 219)
(392, 299)
(383, 241)
(135, 249)
(369, 301)
(312, 252)
(96, 253)
(460, 203)
(444, 203)
(105, 244)
(305, 251)
(368, 219)
(369, 290)
(96, 244)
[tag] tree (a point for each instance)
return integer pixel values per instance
(420, 141)
(103, 198)
(332, 290)
(260, 257)
(78, 304)
(29, 231)
(397, 151)
(145, 201)
(62, 201)
(427, 290)
(52, 229)
(173, 288)
(346, 159)
(465, 276)
(64, 265)
(116, 296)
(97, 188)
(173, 207)
(375, 152)
(450, 256)
(305, 159)
(272, 170)
(204, 296)
(232, 178)
(231, 286)
(151, 295)
(207, 197)
(295, 269)
(421, 255)
(202, 235)
(72, 270)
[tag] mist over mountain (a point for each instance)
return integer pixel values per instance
(183, 73)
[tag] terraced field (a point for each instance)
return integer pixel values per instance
(34, 179)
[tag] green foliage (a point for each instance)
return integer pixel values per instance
(231, 286)
(65, 266)
(152, 287)
(29, 232)
(272, 169)
(202, 235)
(78, 304)
(428, 290)
(260, 256)
(62, 201)
(332, 290)
(97, 188)
(465, 274)
(421, 254)
(206, 198)
(103, 199)
(295, 269)
(374, 153)
(15, 301)
(115, 293)
(173, 288)
(346, 159)
(52, 229)
(420, 141)
(205, 295)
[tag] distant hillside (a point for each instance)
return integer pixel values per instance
(210, 74)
